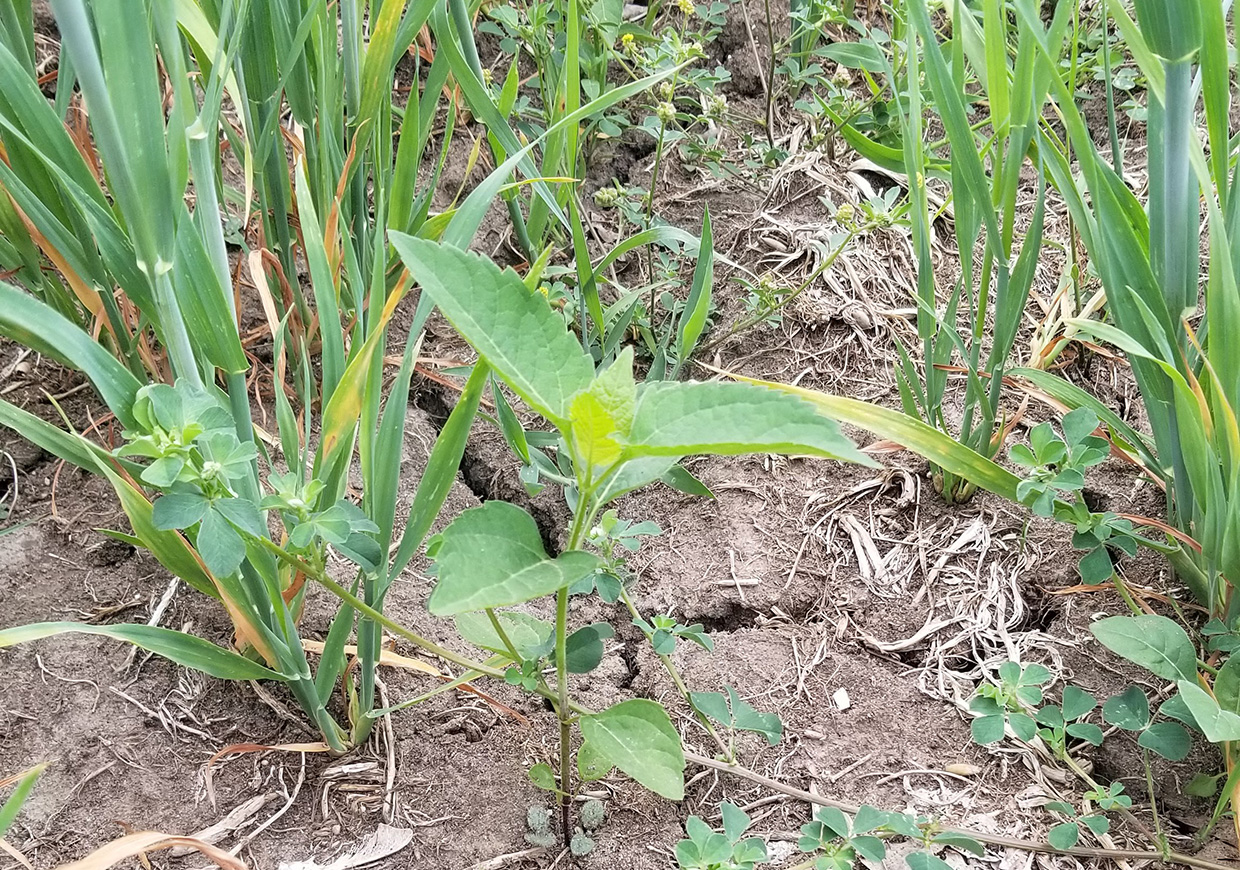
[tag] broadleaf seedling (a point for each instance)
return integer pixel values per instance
(611, 436)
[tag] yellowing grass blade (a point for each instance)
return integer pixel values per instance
(386, 657)
(133, 845)
(940, 449)
(345, 406)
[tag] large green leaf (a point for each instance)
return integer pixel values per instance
(514, 330)
(493, 556)
(1219, 725)
(638, 737)
(678, 419)
(1154, 642)
(184, 649)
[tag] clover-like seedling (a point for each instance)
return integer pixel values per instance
(1019, 689)
(1054, 479)
(614, 539)
(1130, 711)
(1057, 465)
(842, 841)
(1019, 692)
(1059, 722)
(707, 849)
(662, 632)
(1107, 798)
(1222, 636)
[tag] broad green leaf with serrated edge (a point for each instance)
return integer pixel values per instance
(1218, 725)
(638, 737)
(722, 418)
(594, 432)
(1154, 642)
(184, 649)
(616, 390)
(493, 556)
(515, 331)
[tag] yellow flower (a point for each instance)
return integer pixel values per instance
(685, 6)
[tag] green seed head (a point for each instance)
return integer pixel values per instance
(666, 112)
(606, 197)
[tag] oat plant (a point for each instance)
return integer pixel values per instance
(141, 299)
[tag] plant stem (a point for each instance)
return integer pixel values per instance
(503, 635)
(769, 309)
(561, 680)
(672, 672)
(654, 183)
(735, 769)
(322, 578)
(563, 709)
(770, 78)
(1122, 588)
(1160, 839)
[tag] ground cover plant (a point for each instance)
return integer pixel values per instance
(223, 213)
